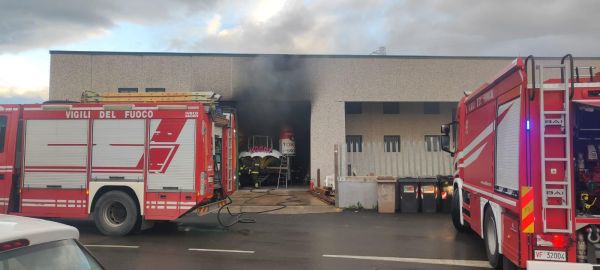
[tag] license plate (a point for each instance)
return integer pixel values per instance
(547, 255)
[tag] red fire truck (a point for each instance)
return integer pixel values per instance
(123, 162)
(527, 169)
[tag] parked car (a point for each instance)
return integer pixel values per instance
(29, 243)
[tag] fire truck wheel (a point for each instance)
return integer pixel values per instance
(455, 213)
(115, 214)
(490, 237)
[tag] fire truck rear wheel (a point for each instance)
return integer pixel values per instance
(116, 214)
(490, 237)
(455, 213)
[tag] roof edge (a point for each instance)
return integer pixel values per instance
(300, 55)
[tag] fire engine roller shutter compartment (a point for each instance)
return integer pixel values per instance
(172, 147)
(118, 149)
(507, 156)
(56, 154)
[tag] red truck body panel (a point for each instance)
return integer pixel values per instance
(57, 157)
(498, 152)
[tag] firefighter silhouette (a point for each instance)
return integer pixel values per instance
(587, 202)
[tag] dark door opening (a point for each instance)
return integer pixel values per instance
(260, 124)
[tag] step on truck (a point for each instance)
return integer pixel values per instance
(527, 169)
(124, 159)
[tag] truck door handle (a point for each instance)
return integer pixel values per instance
(162, 196)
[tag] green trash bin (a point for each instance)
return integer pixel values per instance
(428, 194)
(409, 195)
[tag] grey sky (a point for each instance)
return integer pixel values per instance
(29, 28)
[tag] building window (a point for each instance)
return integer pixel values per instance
(391, 108)
(432, 143)
(353, 107)
(2, 132)
(431, 107)
(155, 90)
(391, 143)
(354, 143)
(127, 90)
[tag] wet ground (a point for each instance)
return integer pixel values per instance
(295, 200)
(343, 240)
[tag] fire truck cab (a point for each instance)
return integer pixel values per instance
(125, 164)
(527, 169)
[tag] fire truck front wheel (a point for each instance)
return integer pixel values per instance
(116, 214)
(490, 237)
(455, 213)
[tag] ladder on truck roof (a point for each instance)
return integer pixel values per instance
(556, 191)
(207, 98)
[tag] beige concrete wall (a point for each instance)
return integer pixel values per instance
(327, 125)
(70, 75)
(110, 72)
(345, 78)
(411, 124)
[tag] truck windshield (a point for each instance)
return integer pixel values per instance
(63, 254)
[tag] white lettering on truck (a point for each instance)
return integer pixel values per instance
(107, 114)
(139, 114)
(77, 114)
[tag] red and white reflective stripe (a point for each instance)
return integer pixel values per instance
(186, 205)
(3, 109)
(57, 170)
(3, 201)
(169, 205)
(5, 169)
(54, 203)
(494, 196)
(66, 169)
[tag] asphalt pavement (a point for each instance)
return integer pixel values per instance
(347, 240)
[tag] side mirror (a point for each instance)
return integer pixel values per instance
(445, 129)
(445, 143)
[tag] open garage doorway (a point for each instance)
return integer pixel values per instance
(264, 160)
(272, 100)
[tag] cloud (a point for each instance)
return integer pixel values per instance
(288, 27)
(509, 27)
(32, 24)
(427, 27)
(430, 27)
(38, 92)
(22, 76)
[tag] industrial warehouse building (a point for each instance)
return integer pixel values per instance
(383, 113)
